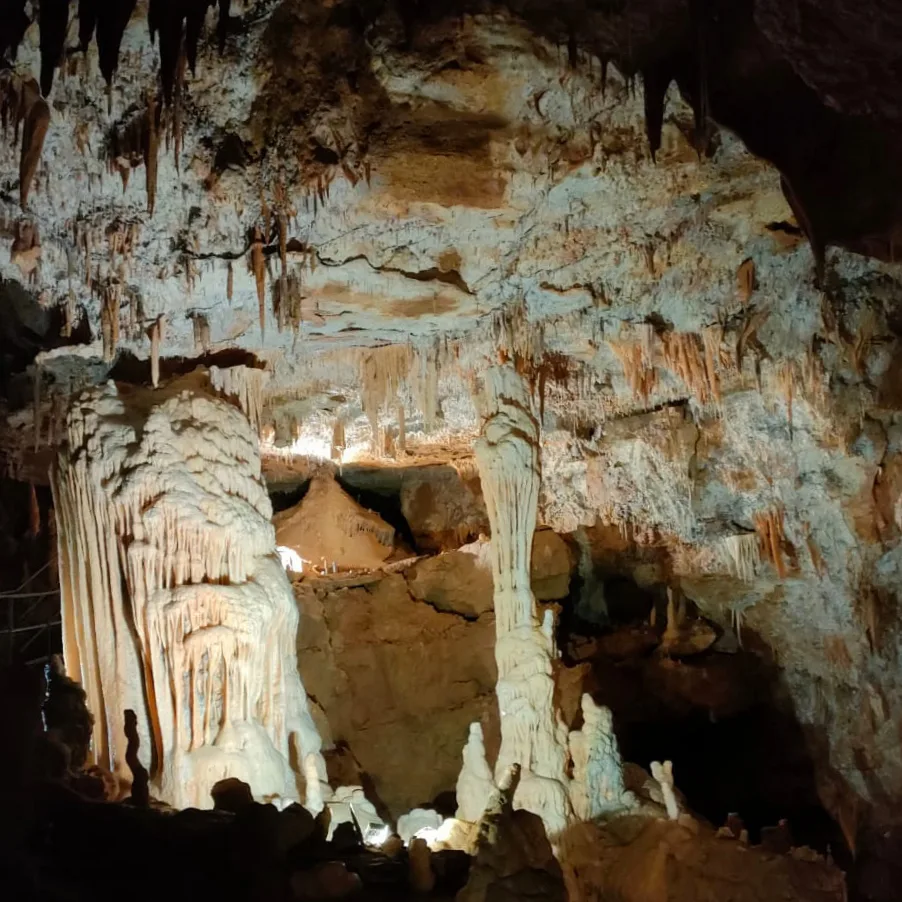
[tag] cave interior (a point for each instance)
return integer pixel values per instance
(451, 449)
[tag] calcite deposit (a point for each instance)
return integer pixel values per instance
(175, 605)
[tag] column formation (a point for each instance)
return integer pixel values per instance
(175, 604)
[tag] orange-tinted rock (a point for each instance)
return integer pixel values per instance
(327, 524)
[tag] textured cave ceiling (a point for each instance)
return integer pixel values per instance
(279, 182)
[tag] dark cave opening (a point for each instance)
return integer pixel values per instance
(720, 716)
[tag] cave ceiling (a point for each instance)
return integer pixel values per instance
(286, 183)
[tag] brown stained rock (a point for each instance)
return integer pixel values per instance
(443, 509)
(653, 860)
(328, 525)
(399, 682)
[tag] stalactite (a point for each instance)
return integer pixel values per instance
(786, 381)
(109, 21)
(382, 371)
(257, 265)
(109, 322)
(740, 554)
(696, 363)
(230, 282)
(745, 280)
(134, 143)
(769, 526)
(37, 382)
(244, 386)
(157, 334)
(37, 121)
(174, 603)
(34, 513)
(150, 152)
(53, 21)
(636, 356)
(288, 296)
(656, 81)
(201, 333)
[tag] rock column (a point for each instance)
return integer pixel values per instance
(532, 733)
(175, 605)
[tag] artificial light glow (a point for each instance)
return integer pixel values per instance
(291, 560)
(376, 836)
(435, 836)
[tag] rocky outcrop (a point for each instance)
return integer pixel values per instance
(396, 680)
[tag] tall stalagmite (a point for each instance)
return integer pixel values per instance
(175, 604)
(532, 732)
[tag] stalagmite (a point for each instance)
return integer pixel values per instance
(597, 788)
(475, 784)
(532, 732)
(174, 602)
(663, 773)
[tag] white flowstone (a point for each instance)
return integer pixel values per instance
(174, 601)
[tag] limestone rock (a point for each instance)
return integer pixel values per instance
(387, 668)
(461, 581)
(443, 509)
(514, 859)
(551, 566)
(232, 795)
(674, 861)
(422, 878)
(456, 581)
(328, 525)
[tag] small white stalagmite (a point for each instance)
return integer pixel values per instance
(532, 732)
(174, 601)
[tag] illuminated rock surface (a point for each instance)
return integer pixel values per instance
(175, 605)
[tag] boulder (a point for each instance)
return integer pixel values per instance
(461, 581)
(443, 508)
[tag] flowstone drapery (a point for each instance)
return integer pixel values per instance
(532, 732)
(175, 604)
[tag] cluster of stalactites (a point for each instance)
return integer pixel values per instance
(179, 24)
(245, 386)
